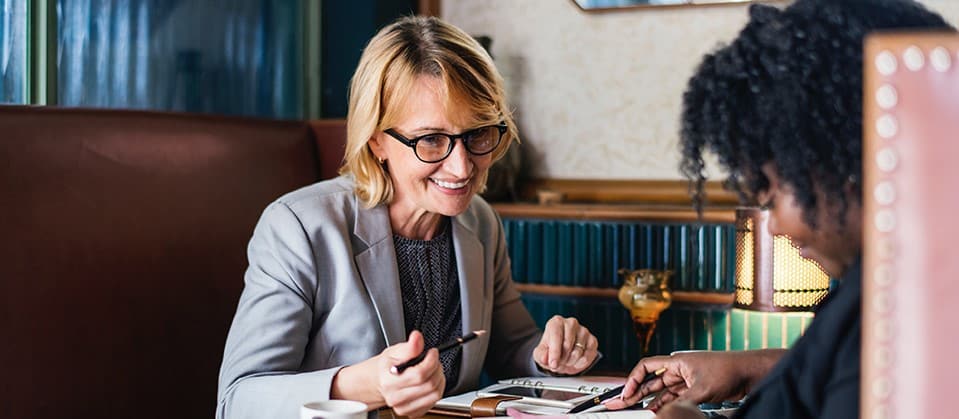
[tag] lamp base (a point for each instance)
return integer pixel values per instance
(644, 333)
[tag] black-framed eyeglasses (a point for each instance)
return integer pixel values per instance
(432, 148)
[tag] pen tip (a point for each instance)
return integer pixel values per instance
(479, 332)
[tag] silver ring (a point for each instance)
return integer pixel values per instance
(580, 346)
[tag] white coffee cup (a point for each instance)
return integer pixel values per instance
(333, 409)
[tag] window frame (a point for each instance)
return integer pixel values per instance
(41, 51)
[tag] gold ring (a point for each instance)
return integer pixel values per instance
(580, 346)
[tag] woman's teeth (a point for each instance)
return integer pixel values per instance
(450, 185)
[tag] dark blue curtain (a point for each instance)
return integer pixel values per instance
(13, 50)
(346, 28)
(236, 57)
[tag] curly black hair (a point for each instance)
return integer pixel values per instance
(788, 90)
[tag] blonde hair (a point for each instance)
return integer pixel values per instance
(408, 48)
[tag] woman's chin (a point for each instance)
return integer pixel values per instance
(451, 202)
(452, 208)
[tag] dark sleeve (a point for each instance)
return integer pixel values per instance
(841, 398)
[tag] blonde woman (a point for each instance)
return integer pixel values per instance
(351, 276)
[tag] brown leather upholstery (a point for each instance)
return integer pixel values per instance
(331, 138)
(123, 251)
(910, 266)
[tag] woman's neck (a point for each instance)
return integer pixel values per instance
(416, 224)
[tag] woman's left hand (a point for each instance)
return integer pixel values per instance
(567, 347)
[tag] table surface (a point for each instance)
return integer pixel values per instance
(387, 413)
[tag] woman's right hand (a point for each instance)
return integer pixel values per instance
(697, 377)
(410, 393)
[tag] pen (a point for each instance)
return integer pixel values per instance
(614, 392)
(398, 369)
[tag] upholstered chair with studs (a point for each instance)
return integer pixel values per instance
(911, 204)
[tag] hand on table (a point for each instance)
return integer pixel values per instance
(567, 347)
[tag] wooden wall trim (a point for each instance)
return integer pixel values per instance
(674, 192)
(711, 298)
(612, 212)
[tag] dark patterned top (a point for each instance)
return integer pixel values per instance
(431, 295)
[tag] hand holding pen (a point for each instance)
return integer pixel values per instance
(697, 377)
(633, 390)
(410, 394)
(407, 376)
(616, 392)
(452, 343)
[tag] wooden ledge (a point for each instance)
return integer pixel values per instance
(669, 192)
(710, 298)
(616, 212)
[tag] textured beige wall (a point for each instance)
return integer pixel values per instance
(598, 95)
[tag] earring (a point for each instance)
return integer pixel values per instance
(382, 160)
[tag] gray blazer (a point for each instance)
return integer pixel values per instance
(322, 291)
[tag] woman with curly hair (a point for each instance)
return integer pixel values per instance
(781, 106)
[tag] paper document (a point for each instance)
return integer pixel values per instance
(618, 414)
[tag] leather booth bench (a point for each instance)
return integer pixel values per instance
(123, 250)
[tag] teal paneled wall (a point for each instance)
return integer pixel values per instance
(588, 253)
(678, 329)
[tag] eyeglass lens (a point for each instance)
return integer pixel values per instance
(479, 141)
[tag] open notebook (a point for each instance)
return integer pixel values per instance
(539, 395)
(572, 389)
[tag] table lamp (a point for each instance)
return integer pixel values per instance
(771, 275)
(645, 293)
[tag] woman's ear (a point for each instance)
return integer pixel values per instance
(376, 146)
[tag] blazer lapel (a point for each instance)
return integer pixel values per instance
(378, 269)
(473, 290)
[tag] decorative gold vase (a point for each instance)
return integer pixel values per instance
(645, 293)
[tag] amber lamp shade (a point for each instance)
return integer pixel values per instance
(771, 275)
(645, 293)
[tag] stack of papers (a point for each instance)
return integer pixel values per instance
(619, 414)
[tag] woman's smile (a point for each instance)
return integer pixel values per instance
(457, 186)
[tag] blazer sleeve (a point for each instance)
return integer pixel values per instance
(514, 334)
(267, 341)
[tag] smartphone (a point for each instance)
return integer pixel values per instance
(538, 395)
